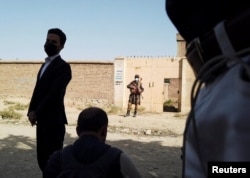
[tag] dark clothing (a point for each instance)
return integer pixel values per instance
(136, 89)
(48, 104)
(86, 150)
(135, 92)
(134, 99)
(49, 139)
(194, 18)
(48, 97)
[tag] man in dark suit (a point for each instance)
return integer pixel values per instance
(46, 109)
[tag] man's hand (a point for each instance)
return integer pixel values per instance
(32, 118)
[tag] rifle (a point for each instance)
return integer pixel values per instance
(139, 87)
(136, 89)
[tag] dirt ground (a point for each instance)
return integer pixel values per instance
(153, 141)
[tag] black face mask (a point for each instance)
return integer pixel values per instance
(50, 49)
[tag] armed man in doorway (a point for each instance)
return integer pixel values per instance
(136, 89)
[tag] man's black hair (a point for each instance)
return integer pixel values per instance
(92, 119)
(60, 33)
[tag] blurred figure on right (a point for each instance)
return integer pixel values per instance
(218, 41)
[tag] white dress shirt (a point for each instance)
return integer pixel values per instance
(48, 60)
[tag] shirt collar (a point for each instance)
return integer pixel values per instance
(51, 58)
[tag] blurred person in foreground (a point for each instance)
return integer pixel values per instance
(218, 40)
(46, 109)
(89, 155)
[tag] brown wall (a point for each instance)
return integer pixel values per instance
(91, 81)
(17, 78)
(181, 45)
(154, 72)
(173, 89)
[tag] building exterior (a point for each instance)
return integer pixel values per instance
(165, 79)
(105, 82)
(160, 79)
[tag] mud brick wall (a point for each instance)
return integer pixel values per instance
(17, 79)
(173, 89)
(91, 81)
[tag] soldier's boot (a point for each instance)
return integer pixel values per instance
(127, 114)
(135, 113)
(128, 109)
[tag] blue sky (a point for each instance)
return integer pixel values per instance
(95, 29)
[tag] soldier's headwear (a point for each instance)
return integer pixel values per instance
(137, 76)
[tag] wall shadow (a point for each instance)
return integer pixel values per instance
(18, 157)
(151, 158)
(170, 109)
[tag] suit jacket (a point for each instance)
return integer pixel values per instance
(48, 96)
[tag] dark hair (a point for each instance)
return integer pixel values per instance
(92, 119)
(60, 33)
